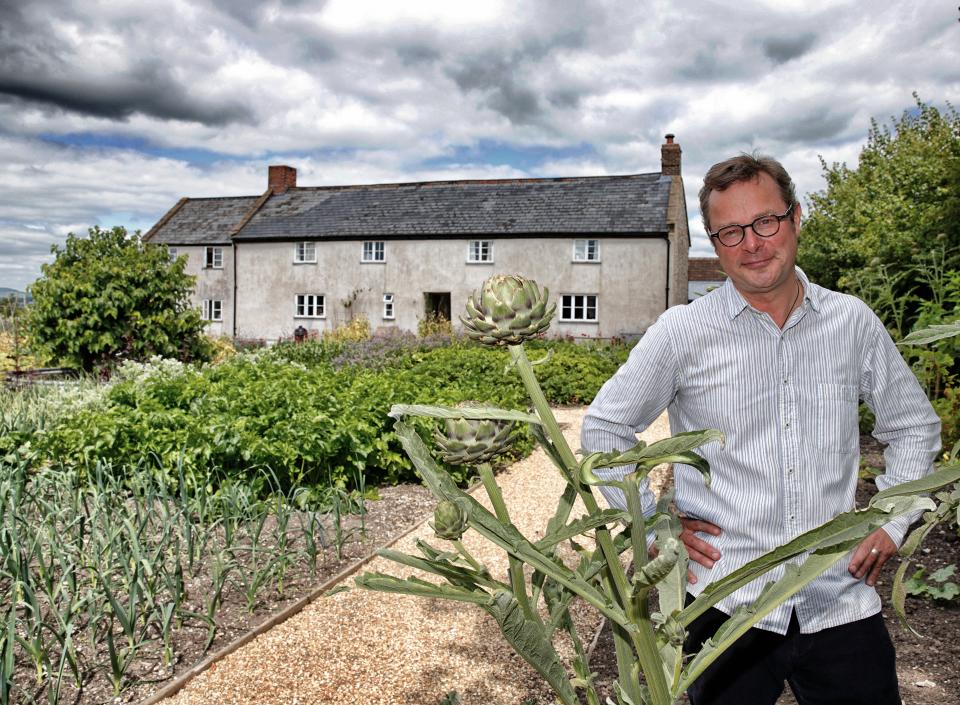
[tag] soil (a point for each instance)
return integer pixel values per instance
(927, 665)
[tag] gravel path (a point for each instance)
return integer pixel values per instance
(380, 649)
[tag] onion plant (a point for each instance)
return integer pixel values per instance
(645, 604)
(99, 567)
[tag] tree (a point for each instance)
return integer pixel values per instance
(111, 297)
(901, 201)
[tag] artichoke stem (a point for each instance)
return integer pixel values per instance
(620, 583)
(518, 583)
(468, 557)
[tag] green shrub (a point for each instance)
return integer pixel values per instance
(291, 410)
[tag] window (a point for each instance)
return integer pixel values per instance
(578, 307)
(173, 253)
(586, 250)
(388, 306)
(212, 310)
(310, 306)
(373, 251)
(480, 251)
(305, 252)
(213, 257)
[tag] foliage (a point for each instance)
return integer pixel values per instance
(111, 297)
(902, 196)
(96, 576)
(434, 324)
(15, 351)
(888, 232)
(314, 413)
(937, 585)
(355, 330)
(646, 640)
(221, 348)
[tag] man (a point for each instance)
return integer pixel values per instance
(778, 364)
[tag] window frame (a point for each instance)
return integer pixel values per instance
(483, 247)
(584, 307)
(300, 252)
(212, 257)
(173, 253)
(377, 247)
(309, 302)
(389, 306)
(212, 310)
(586, 250)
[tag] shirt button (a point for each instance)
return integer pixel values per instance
(790, 471)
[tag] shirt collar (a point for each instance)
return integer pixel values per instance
(735, 304)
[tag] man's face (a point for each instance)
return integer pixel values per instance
(758, 265)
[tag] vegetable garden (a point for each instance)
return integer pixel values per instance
(133, 512)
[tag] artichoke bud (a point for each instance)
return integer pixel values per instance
(473, 441)
(507, 310)
(671, 631)
(449, 520)
(655, 570)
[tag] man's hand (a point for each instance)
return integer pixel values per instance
(869, 556)
(698, 549)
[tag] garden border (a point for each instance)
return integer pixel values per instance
(181, 681)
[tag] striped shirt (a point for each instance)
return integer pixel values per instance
(787, 401)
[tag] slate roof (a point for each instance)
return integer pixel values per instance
(201, 221)
(634, 205)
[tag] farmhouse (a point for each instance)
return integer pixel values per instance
(611, 249)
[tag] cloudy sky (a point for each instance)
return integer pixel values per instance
(111, 110)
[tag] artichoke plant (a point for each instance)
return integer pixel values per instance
(507, 310)
(533, 603)
(473, 441)
(449, 520)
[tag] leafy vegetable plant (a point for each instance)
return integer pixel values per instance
(648, 631)
(937, 585)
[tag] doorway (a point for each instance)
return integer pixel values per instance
(437, 304)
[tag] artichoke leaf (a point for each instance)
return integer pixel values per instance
(506, 536)
(931, 334)
(773, 594)
(939, 478)
(398, 411)
(458, 575)
(843, 531)
(382, 582)
(529, 639)
(580, 526)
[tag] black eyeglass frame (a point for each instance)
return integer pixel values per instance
(743, 228)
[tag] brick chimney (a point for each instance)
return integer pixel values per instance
(280, 178)
(670, 157)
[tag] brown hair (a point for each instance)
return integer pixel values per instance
(744, 168)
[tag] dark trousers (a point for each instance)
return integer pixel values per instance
(852, 664)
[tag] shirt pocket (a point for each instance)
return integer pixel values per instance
(838, 422)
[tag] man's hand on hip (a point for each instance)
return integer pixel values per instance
(869, 556)
(698, 549)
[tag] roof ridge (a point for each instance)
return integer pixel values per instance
(465, 182)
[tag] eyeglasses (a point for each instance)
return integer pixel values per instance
(764, 226)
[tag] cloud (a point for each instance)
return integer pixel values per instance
(153, 101)
(787, 47)
(148, 89)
